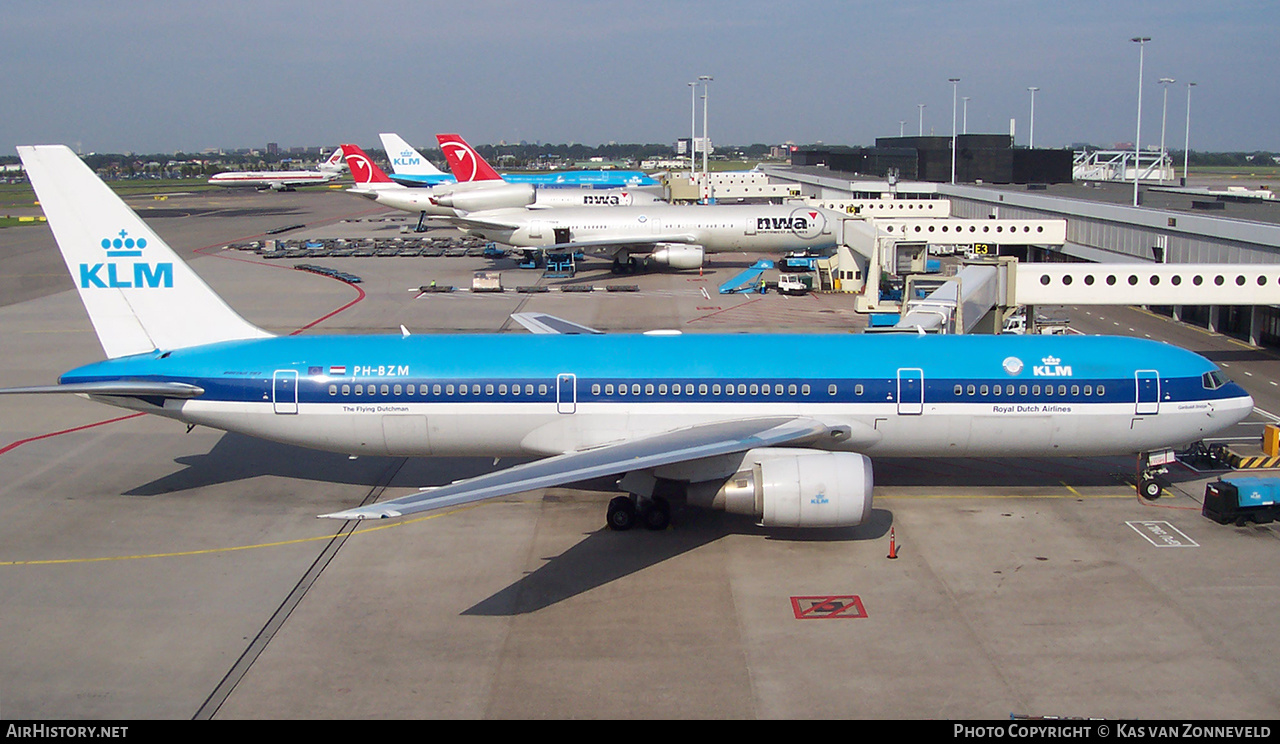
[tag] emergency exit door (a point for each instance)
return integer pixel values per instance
(566, 392)
(910, 392)
(284, 391)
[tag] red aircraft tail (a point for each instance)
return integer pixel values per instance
(464, 161)
(363, 169)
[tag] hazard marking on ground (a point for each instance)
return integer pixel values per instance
(839, 607)
(1163, 535)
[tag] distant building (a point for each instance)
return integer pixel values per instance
(989, 158)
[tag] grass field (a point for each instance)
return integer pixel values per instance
(1264, 172)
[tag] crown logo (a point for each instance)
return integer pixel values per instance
(124, 245)
(1051, 361)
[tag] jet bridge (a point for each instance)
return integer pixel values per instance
(982, 295)
(873, 246)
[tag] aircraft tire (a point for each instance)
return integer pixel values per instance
(1150, 489)
(622, 513)
(657, 516)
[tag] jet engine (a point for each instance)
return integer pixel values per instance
(677, 255)
(488, 197)
(785, 487)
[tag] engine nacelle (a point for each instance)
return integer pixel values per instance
(498, 196)
(784, 487)
(677, 255)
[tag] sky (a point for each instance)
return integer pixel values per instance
(156, 76)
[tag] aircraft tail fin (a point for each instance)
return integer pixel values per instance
(365, 172)
(139, 295)
(464, 161)
(406, 161)
(335, 162)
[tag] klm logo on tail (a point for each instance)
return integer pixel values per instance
(115, 274)
(406, 157)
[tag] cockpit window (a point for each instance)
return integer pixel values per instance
(1213, 380)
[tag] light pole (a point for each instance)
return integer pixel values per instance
(693, 125)
(705, 139)
(902, 125)
(1031, 136)
(965, 116)
(921, 107)
(1164, 115)
(1141, 41)
(955, 84)
(1186, 146)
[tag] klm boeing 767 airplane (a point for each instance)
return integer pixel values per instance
(786, 438)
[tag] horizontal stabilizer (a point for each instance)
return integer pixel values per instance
(692, 443)
(115, 387)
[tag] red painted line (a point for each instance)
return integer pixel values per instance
(21, 442)
(335, 312)
(735, 307)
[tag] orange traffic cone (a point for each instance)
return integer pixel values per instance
(893, 544)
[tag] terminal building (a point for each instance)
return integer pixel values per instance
(1176, 233)
(979, 158)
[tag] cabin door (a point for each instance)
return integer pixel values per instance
(910, 392)
(1148, 391)
(284, 391)
(566, 392)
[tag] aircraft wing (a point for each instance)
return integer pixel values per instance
(131, 388)
(648, 241)
(692, 443)
(544, 323)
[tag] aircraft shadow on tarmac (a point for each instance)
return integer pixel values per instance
(605, 556)
(236, 457)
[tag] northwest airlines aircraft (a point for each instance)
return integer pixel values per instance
(408, 167)
(787, 438)
(450, 199)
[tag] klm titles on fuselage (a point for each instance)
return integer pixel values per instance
(117, 274)
(1051, 367)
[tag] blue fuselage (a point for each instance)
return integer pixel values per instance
(544, 394)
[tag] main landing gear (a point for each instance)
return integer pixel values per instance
(652, 511)
(626, 512)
